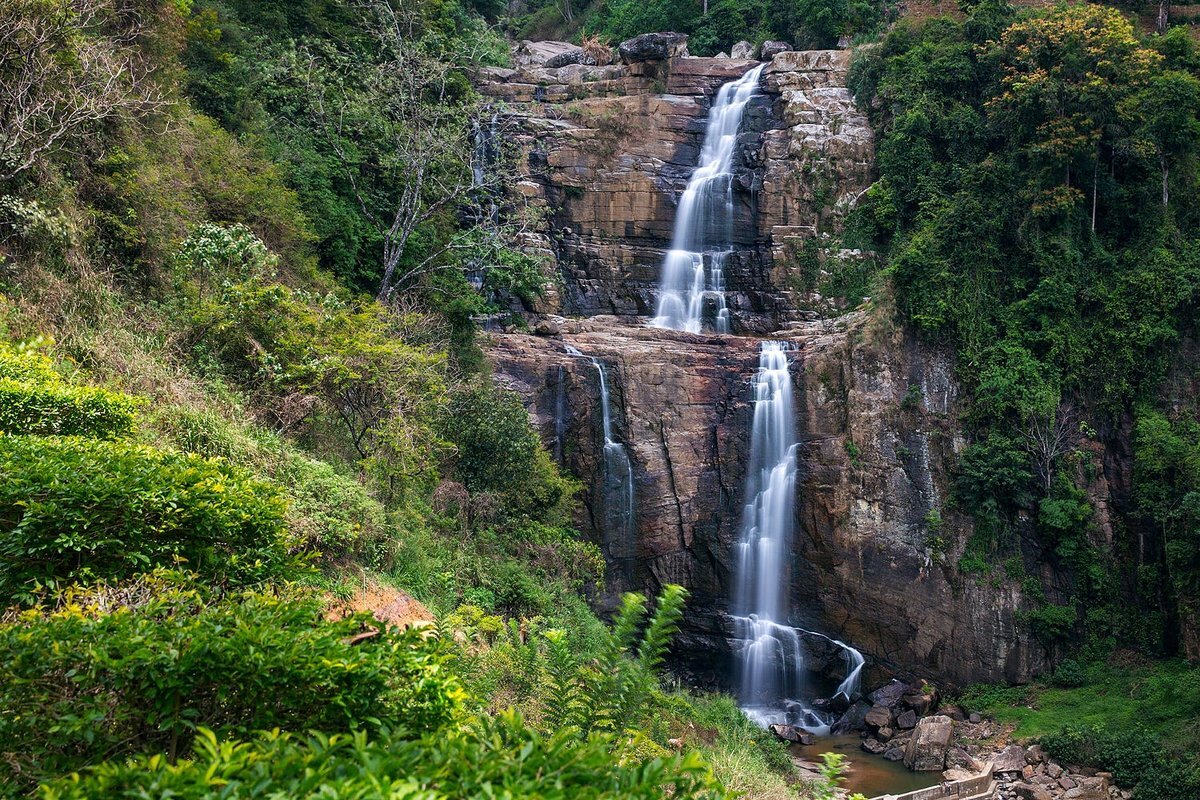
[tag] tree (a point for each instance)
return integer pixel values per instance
(401, 127)
(66, 65)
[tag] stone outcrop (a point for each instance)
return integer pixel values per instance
(653, 47)
(927, 748)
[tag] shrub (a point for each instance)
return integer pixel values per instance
(1133, 756)
(34, 399)
(76, 509)
(81, 684)
(499, 757)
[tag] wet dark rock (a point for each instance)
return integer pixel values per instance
(653, 47)
(855, 719)
(772, 48)
(874, 746)
(889, 696)
(894, 752)
(791, 733)
(906, 719)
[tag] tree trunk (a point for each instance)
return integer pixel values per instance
(1163, 7)
(1166, 195)
(1095, 171)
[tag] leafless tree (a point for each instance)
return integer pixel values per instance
(1047, 439)
(65, 66)
(409, 103)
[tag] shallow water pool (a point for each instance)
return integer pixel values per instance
(869, 774)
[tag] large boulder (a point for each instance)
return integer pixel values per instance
(770, 49)
(927, 748)
(742, 50)
(889, 696)
(855, 719)
(1029, 791)
(546, 54)
(1011, 760)
(653, 47)
(878, 717)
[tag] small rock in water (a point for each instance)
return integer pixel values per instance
(894, 752)
(874, 746)
(785, 732)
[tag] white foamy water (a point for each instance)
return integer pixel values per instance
(694, 269)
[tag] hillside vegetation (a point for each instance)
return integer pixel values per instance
(239, 391)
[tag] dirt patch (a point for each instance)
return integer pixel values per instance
(387, 604)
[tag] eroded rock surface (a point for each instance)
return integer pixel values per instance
(607, 151)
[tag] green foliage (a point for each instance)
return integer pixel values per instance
(128, 669)
(1133, 717)
(76, 509)
(34, 399)
(808, 24)
(1132, 755)
(499, 757)
(374, 371)
(497, 452)
(833, 770)
(1167, 491)
(1037, 202)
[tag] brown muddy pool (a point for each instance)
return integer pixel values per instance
(871, 775)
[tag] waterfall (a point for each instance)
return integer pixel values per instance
(618, 517)
(560, 415)
(694, 268)
(768, 649)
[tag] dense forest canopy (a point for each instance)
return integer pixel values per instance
(243, 248)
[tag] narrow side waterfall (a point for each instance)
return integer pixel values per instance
(769, 651)
(694, 268)
(618, 517)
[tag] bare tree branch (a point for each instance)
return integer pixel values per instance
(63, 72)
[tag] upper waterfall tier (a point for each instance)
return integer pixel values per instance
(694, 269)
(609, 149)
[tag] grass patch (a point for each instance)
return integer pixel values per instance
(1161, 696)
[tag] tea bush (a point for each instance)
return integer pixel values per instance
(34, 399)
(136, 668)
(499, 757)
(74, 509)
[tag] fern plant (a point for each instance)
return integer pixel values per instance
(609, 693)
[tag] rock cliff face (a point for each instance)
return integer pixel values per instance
(609, 150)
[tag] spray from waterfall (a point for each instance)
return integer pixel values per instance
(619, 522)
(768, 649)
(694, 269)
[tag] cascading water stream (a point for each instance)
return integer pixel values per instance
(619, 533)
(769, 652)
(702, 240)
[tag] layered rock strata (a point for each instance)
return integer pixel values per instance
(609, 149)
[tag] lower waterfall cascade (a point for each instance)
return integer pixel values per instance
(768, 651)
(619, 526)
